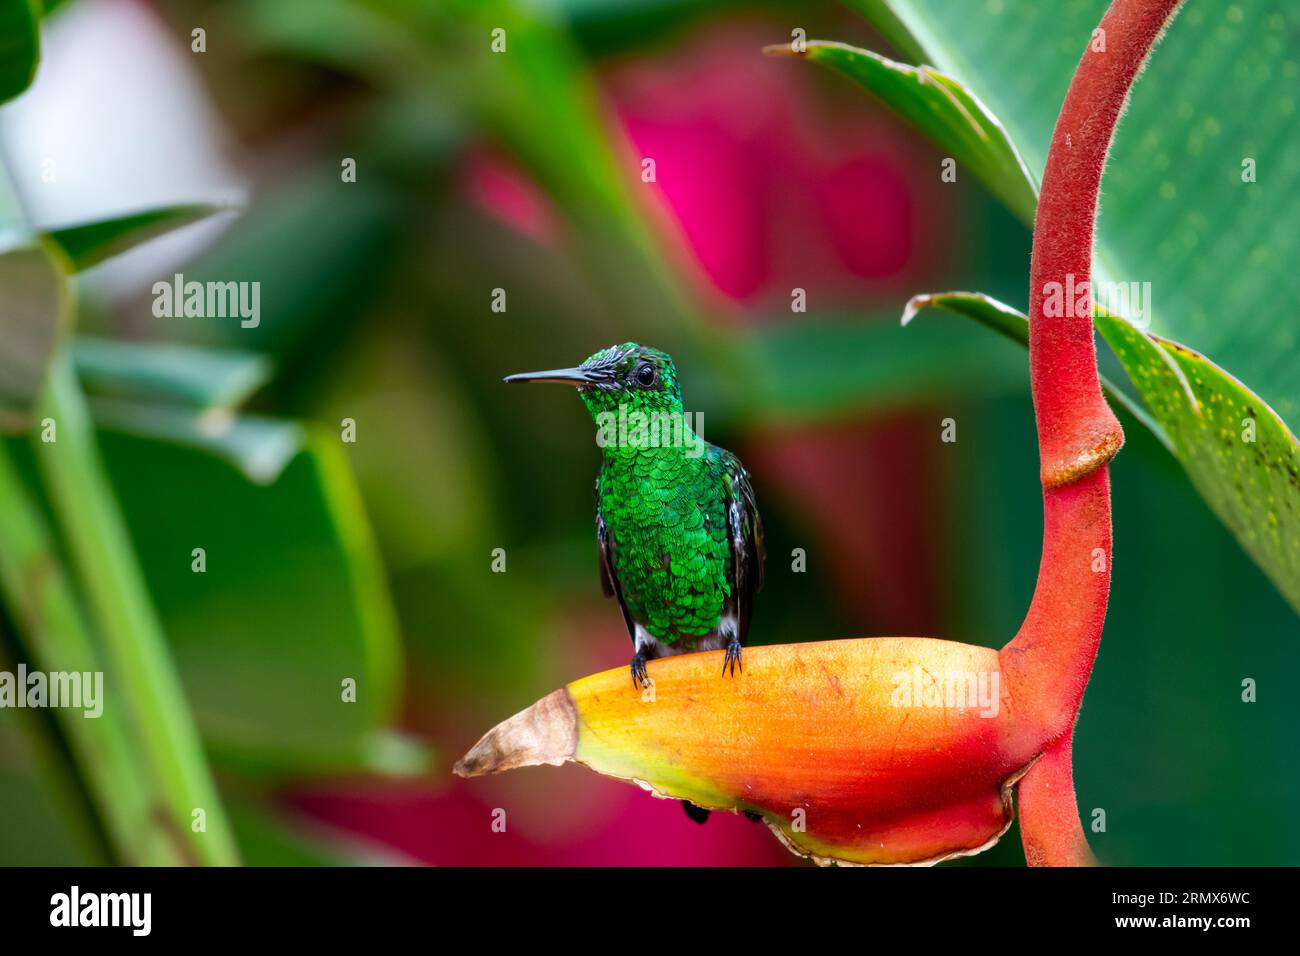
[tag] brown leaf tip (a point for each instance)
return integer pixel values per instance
(545, 733)
(783, 49)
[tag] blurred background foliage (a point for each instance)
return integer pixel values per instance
(520, 171)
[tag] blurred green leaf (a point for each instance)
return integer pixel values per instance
(941, 108)
(88, 244)
(608, 28)
(266, 840)
(343, 35)
(149, 371)
(36, 829)
(20, 49)
(381, 754)
(268, 836)
(824, 367)
(98, 542)
(313, 279)
(33, 315)
(53, 636)
(292, 602)
(1238, 453)
(261, 448)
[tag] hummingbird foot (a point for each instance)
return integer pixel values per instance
(732, 660)
(697, 814)
(640, 676)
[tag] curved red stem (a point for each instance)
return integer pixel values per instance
(1048, 663)
(1049, 816)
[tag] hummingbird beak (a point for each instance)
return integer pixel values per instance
(566, 376)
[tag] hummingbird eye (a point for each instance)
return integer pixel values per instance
(645, 375)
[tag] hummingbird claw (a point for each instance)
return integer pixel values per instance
(640, 676)
(732, 659)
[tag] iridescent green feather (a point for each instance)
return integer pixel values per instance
(664, 508)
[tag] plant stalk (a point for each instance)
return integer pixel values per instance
(146, 682)
(1050, 659)
(53, 637)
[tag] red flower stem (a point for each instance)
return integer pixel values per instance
(1052, 836)
(1048, 663)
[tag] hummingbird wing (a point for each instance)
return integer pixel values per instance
(608, 579)
(745, 527)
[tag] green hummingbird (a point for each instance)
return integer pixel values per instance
(677, 525)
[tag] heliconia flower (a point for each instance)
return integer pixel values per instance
(879, 750)
(907, 750)
(874, 750)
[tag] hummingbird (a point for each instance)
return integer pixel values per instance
(678, 534)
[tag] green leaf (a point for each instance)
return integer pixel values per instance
(941, 108)
(383, 753)
(309, 273)
(20, 48)
(1177, 209)
(828, 368)
(261, 448)
(292, 601)
(35, 310)
(342, 35)
(52, 635)
(33, 315)
(1219, 90)
(44, 824)
(1005, 320)
(1239, 454)
(88, 244)
(201, 377)
(115, 591)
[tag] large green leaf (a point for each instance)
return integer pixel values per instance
(1177, 167)
(292, 601)
(20, 48)
(1221, 89)
(941, 108)
(1238, 453)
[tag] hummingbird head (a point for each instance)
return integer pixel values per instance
(642, 378)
